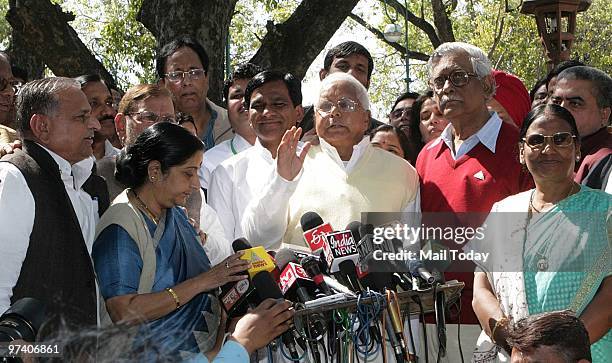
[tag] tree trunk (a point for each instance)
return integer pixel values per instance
(293, 45)
(22, 57)
(207, 21)
(43, 29)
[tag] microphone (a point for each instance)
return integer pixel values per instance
(396, 321)
(418, 269)
(296, 285)
(234, 296)
(311, 266)
(266, 287)
(314, 231)
(340, 246)
(258, 257)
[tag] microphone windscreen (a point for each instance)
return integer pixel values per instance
(310, 220)
(347, 267)
(354, 227)
(265, 286)
(308, 261)
(241, 244)
(413, 266)
(365, 229)
(284, 256)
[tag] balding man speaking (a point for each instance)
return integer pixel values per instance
(338, 179)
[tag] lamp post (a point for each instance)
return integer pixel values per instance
(556, 21)
(393, 33)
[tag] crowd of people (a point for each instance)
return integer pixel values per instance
(123, 209)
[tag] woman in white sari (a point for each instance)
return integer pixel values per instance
(553, 253)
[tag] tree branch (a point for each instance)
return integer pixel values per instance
(498, 34)
(293, 45)
(44, 31)
(420, 23)
(442, 22)
(381, 36)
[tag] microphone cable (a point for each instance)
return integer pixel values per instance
(366, 314)
(407, 316)
(287, 356)
(417, 299)
(458, 305)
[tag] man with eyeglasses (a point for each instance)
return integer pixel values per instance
(142, 106)
(182, 67)
(106, 143)
(339, 179)
(347, 57)
(401, 112)
(586, 92)
(473, 163)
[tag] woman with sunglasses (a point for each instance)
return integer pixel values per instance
(553, 252)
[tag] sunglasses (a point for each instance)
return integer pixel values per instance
(560, 139)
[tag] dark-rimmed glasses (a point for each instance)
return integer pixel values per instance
(178, 76)
(458, 78)
(560, 139)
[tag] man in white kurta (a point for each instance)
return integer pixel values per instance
(341, 178)
(244, 136)
(274, 103)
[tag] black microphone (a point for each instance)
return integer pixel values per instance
(266, 288)
(440, 309)
(418, 269)
(235, 296)
(312, 268)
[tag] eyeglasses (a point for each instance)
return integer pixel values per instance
(151, 117)
(5, 83)
(399, 112)
(560, 139)
(344, 104)
(458, 78)
(178, 76)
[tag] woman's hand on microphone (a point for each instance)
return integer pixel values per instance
(230, 269)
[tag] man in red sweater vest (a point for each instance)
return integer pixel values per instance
(473, 164)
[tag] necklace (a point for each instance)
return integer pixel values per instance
(145, 208)
(532, 207)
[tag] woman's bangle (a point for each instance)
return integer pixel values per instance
(501, 322)
(176, 298)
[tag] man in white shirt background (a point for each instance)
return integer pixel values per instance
(50, 203)
(244, 135)
(338, 179)
(274, 101)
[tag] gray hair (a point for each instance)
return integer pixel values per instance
(40, 97)
(601, 83)
(481, 65)
(360, 90)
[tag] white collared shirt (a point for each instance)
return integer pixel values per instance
(218, 154)
(358, 151)
(487, 135)
(17, 208)
(266, 218)
(110, 150)
(235, 182)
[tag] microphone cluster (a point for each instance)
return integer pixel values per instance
(340, 269)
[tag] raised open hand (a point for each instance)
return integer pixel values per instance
(288, 162)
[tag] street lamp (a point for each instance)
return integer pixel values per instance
(556, 20)
(393, 33)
